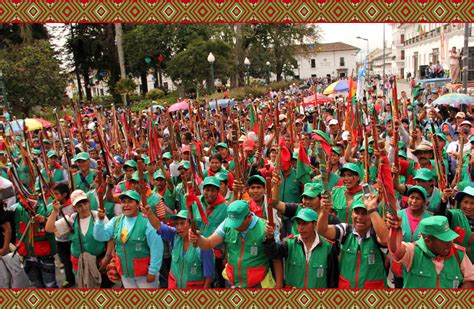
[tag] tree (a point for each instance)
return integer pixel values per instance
(32, 76)
(190, 67)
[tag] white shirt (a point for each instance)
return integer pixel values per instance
(308, 251)
(62, 228)
(455, 147)
(452, 60)
(5, 184)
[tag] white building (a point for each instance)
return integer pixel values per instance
(322, 59)
(416, 45)
(376, 61)
(100, 87)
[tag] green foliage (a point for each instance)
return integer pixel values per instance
(190, 66)
(126, 86)
(32, 76)
(155, 94)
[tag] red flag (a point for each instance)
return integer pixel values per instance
(190, 199)
(386, 180)
(285, 155)
(324, 143)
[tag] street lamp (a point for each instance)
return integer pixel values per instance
(247, 64)
(4, 90)
(268, 72)
(367, 40)
(211, 59)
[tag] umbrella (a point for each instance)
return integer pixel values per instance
(223, 103)
(318, 99)
(454, 99)
(31, 125)
(179, 106)
(339, 86)
(44, 123)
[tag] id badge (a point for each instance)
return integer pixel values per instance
(371, 259)
(254, 251)
(455, 284)
(320, 272)
(139, 246)
(193, 270)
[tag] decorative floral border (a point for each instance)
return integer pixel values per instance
(236, 298)
(243, 11)
(239, 11)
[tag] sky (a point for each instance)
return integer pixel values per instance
(347, 33)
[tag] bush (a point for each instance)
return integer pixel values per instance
(155, 94)
(138, 106)
(281, 85)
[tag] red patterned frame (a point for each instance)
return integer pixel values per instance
(243, 11)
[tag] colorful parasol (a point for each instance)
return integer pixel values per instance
(179, 106)
(454, 99)
(339, 86)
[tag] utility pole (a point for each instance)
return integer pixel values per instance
(119, 43)
(383, 54)
(465, 57)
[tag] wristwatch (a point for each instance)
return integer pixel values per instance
(372, 210)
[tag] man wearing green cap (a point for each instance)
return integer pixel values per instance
(310, 260)
(164, 189)
(362, 260)
(84, 178)
(343, 196)
(223, 150)
(139, 249)
(243, 233)
(311, 198)
(58, 173)
(185, 173)
(215, 166)
(411, 217)
(224, 187)
(461, 218)
(433, 261)
(191, 267)
(129, 167)
(152, 198)
(424, 178)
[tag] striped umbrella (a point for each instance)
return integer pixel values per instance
(454, 99)
(339, 86)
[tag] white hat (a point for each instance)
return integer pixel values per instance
(333, 121)
(282, 117)
(77, 196)
(345, 135)
(466, 122)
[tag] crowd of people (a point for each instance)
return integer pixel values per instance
(267, 193)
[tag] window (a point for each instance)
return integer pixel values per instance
(402, 38)
(341, 61)
(435, 55)
(402, 55)
(313, 63)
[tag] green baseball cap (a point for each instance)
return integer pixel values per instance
(403, 154)
(158, 174)
(438, 227)
(256, 179)
(362, 148)
(424, 174)
(2, 152)
(182, 214)
(46, 141)
(211, 181)
(146, 159)
(52, 153)
(350, 167)
(306, 214)
(130, 163)
(223, 175)
(130, 194)
(336, 150)
(135, 177)
(312, 189)
(418, 189)
(84, 156)
(18, 138)
(471, 139)
(358, 202)
(370, 140)
(184, 164)
(442, 136)
(467, 191)
(237, 211)
(167, 155)
(223, 145)
(36, 151)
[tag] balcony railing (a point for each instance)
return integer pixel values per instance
(435, 33)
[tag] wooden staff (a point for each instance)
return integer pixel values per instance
(457, 177)
(438, 159)
(235, 149)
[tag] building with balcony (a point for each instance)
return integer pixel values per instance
(416, 45)
(325, 59)
(376, 62)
